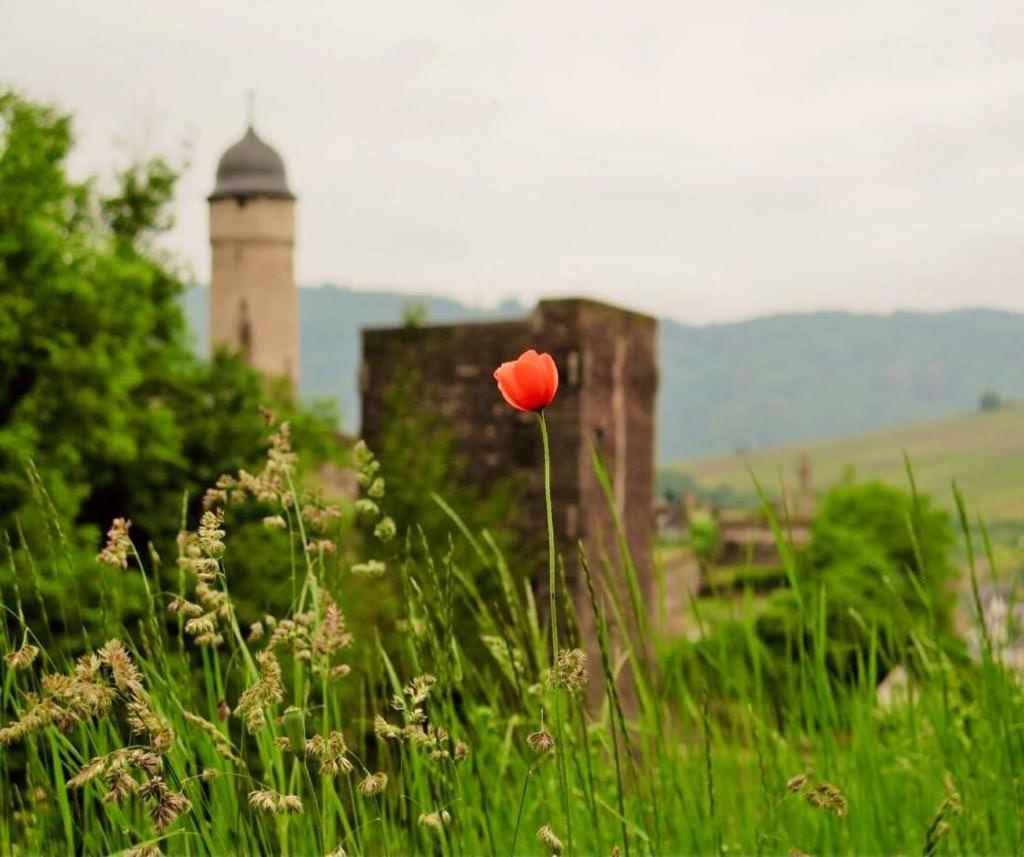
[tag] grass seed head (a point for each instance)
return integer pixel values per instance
(367, 508)
(268, 690)
(570, 671)
(23, 657)
(361, 455)
(119, 786)
(549, 840)
(185, 607)
(373, 784)
(541, 742)
(143, 851)
(331, 635)
(385, 731)
(167, 804)
(419, 688)
(274, 803)
(66, 700)
(89, 771)
(211, 533)
(370, 568)
(202, 626)
(126, 675)
(940, 826)
(321, 546)
(119, 544)
(385, 530)
(320, 517)
(827, 797)
(331, 752)
(435, 821)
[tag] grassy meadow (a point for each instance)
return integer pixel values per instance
(252, 667)
(982, 452)
(443, 728)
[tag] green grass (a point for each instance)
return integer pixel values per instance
(982, 452)
(738, 578)
(652, 765)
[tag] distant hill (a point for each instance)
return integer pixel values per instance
(982, 452)
(730, 386)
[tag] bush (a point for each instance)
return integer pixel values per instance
(703, 537)
(101, 396)
(872, 586)
(990, 401)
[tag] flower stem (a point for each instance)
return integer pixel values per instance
(551, 541)
(552, 578)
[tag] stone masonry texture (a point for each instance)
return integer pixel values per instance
(606, 358)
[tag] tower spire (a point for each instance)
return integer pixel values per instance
(250, 106)
(253, 301)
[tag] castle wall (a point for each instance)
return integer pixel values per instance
(253, 298)
(608, 365)
(606, 359)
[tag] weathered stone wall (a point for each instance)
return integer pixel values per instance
(606, 359)
(253, 299)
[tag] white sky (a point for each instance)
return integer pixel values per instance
(701, 160)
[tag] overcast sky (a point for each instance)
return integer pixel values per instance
(702, 160)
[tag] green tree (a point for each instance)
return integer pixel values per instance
(990, 401)
(879, 566)
(99, 389)
(883, 557)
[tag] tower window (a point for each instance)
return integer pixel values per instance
(244, 328)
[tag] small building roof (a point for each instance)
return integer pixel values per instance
(250, 168)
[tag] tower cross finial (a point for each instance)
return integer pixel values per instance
(250, 105)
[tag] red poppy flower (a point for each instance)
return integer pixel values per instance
(529, 383)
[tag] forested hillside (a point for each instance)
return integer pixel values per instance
(768, 381)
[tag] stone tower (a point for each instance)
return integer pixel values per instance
(253, 300)
(607, 361)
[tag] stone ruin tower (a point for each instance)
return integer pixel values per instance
(607, 363)
(254, 307)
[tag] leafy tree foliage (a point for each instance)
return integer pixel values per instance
(874, 581)
(990, 401)
(882, 557)
(99, 388)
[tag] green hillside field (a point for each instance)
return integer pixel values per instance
(982, 452)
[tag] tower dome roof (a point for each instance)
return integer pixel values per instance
(250, 168)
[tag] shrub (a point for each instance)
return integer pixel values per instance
(101, 396)
(703, 537)
(872, 586)
(989, 401)
(882, 556)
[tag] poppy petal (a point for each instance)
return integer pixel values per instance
(532, 380)
(552, 370)
(508, 386)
